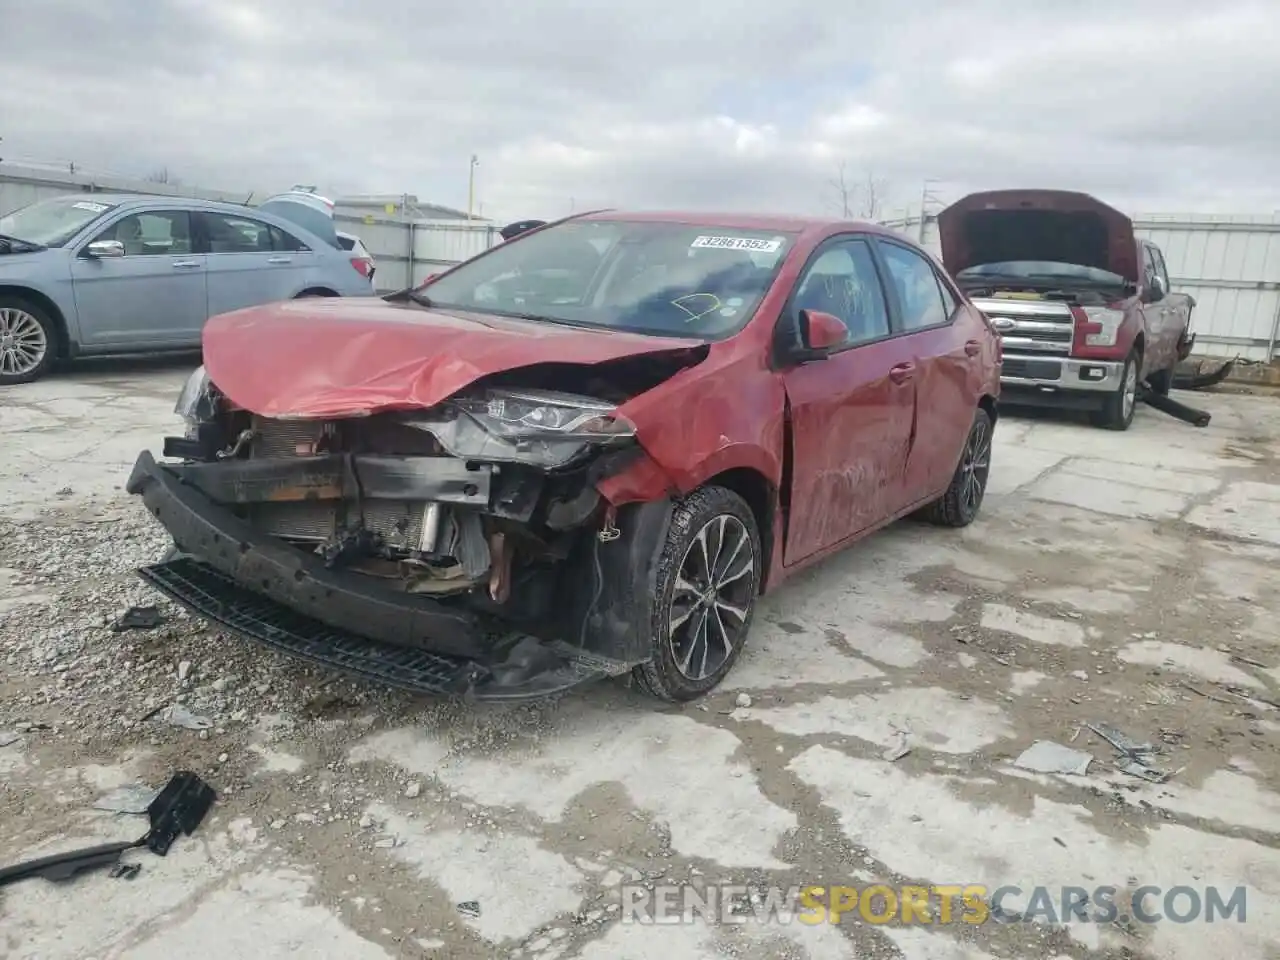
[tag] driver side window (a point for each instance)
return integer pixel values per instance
(154, 233)
(843, 282)
(1162, 271)
(1150, 271)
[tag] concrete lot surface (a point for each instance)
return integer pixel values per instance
(1122, 579)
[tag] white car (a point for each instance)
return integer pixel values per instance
(353, 244)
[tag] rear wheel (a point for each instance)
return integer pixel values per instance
(708, 577)
(959, 506)
(1118, 409)
(28, 341)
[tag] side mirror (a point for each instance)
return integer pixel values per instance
(820, 333)
(1156, 290)
(104, 249)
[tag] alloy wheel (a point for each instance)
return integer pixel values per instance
(1130, 389)
(23, 343)
(975, 466)
(712, 597)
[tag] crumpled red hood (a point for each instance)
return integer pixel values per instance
(319, 358)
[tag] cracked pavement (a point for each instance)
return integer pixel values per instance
(1118, 578)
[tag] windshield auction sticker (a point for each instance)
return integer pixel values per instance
(738, 243)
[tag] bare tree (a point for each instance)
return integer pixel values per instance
(859, 198)
(161, 175)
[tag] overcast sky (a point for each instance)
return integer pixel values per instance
(729, 104)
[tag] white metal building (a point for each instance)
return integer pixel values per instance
(1229, 263)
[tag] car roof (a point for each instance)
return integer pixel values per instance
(148, 199)
(733, 221)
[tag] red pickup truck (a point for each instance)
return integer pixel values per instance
(1082, 306)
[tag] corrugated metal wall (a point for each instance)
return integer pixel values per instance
(1230, 264)
(407, 250)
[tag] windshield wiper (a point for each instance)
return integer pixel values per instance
(409, 295)
(18, 241)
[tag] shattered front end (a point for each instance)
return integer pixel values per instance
(460, 549)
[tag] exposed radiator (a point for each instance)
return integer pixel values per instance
(399, 522)
(286, 438)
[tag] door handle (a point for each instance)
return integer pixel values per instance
(279, 259)
(972, 348)
(186, 263)
(902, 372)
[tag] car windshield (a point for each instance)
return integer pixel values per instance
(52, 222)
(1042, 270)
(662, 278)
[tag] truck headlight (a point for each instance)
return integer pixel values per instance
(1101, 325)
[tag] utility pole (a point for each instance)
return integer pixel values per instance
(926, 196)
(471, 185)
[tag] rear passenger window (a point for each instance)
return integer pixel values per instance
(282, 240)
(843, 282)
(919, 292)
(231, 234)
(949, 302)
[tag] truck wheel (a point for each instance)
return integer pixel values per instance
(960, 504)
(708, 578)
(1118, 409)
(28, 341)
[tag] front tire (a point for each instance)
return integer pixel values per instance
(1118, 409)
(28, 341)
(708, 578)
(959, 506)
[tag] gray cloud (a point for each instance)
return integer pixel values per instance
(732, 105)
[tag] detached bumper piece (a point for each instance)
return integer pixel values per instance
(534, 668)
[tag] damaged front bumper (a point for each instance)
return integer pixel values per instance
(262, 588)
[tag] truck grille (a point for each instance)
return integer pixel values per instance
(1034, 327)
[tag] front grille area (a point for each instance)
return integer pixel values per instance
(1031, 369)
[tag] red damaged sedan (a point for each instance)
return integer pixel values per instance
(584, 453)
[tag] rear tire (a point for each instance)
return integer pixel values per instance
(1119, 407)
(708, 578)
(28, 341)
(959, 506)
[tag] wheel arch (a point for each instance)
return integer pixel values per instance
(315, 292)
(761, 496)
(63, 347)
(992, 406)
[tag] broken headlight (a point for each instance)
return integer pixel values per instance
(195, 402)
(537, 427)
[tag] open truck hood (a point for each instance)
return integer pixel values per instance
(320, 358)
(1056, 225)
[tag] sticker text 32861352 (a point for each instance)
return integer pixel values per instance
(738, 243)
